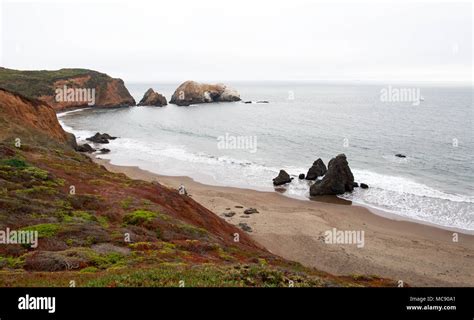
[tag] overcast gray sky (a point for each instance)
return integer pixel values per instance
(176, 40)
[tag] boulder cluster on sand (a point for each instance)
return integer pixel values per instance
(71, 140)
(318, 169)
(101, 138)
(282, 178)
(152, 98)
(336, 179)
(250, 211)
(245, 227)
(192, 92)
(85, 148)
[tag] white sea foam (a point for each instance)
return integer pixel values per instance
(64, 113)
(81, 135)
(413, 200)
(404, 185)
(162, 158)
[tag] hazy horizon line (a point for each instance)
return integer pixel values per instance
(332, 81)
(293, 80)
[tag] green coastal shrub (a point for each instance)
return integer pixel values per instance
(105, 261)
(37, 173)
(84, 215)
(12, 262)
(103, 221)
(192, 231)
(79, 214)
(37, 190)
(17, 163)
(45, 230)
(89, 270)
(138, 217)
(126, 203)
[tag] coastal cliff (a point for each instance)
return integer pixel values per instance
(22, 114)
(60, 88)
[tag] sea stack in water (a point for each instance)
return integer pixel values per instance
(152, 98)
(191, 92)
(318, 169)
(338, 178)
(282, 178)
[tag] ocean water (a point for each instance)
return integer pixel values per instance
(303, 122)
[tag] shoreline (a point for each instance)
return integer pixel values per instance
(281, 190)
(396, 217)
(205, 180)
(416, 253)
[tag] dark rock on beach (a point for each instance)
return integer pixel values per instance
(338, 178)
(152, 98)
(263, 101)
(364, 186)
(101, 138)
(282, 178)
(318, 169)
(355, 185)
(245, 227)
(301, 176)
(104, 150)
(250, 211)
(71, 140)
(229, 214)
(85, 148)
(399, 155)
(107, 136)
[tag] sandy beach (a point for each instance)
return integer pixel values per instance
(417, 254)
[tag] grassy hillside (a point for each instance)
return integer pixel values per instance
(34, 84)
